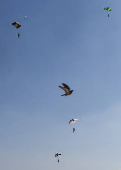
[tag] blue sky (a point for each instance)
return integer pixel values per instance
(72, 42)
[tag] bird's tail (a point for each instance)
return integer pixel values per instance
(63, 95)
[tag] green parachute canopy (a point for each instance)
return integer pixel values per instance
(108, 9)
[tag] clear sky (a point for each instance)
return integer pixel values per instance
(62, 41)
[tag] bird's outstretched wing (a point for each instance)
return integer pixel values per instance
(66, 86)
(65, 89)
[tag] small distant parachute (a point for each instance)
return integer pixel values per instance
(25, 17)
(72, 121)
(108, 9)
(16, 24)
(57, 155)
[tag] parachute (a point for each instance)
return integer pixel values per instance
(57, 155)
(72, 121)
(25, 17)
(108, 9)
(17, 25)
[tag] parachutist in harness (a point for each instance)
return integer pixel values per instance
(18, 35)
(108, 9)
(57, 155)
(17, 25)
(72, 121)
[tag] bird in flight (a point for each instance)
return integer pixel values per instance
(67, 90)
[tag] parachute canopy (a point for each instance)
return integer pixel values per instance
(57, 154)
(16, 24)
(72, 121)
(108, 9)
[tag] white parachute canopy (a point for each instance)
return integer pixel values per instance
(72, 121)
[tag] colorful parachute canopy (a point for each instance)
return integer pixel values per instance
(16, 24)
(57, 154)
(108, 9)
(72, 121)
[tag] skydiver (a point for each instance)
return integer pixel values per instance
(73, 130)
(18, 35)
(108, 15)
(58, 160)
